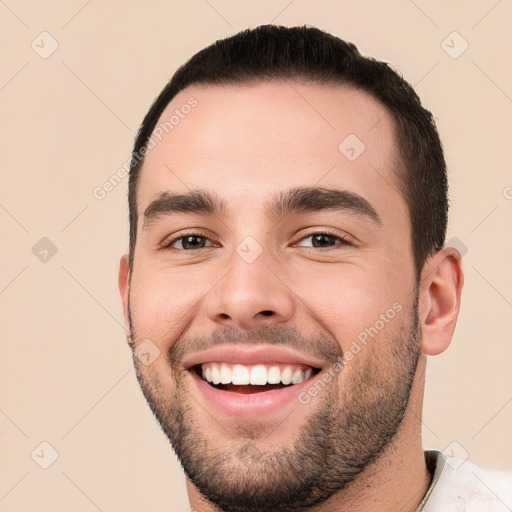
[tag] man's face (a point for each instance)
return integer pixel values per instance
(278, 281)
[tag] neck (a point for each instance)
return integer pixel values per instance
(395, 483)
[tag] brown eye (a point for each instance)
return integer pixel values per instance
(323, 240)
(189, 242)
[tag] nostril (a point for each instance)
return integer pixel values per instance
(267, 313)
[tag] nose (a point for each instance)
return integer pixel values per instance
(250, 295)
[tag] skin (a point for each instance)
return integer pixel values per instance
(246, 144)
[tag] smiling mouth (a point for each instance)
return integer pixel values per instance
(249, 379)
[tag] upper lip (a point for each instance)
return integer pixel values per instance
(252, 355)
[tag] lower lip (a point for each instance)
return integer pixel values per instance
(251, 405)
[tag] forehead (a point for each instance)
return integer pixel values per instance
(253, 140)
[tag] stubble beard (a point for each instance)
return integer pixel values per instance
(349, 427)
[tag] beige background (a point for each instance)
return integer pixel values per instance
(67, 124)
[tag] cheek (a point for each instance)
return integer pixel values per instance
(353, 303)
(162, 300)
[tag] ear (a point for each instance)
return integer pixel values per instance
(124, 289)
(442, 279)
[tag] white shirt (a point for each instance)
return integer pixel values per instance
(461, 486)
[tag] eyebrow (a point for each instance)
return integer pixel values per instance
(294, 200)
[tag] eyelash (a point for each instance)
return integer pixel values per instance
(168, 245)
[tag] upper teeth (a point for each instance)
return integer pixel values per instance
(259, 375)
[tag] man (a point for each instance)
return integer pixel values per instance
(286, 279)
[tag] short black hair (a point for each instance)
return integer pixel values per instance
(311, 55)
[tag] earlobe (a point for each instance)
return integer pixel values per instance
(124, 289)
(441, 287)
